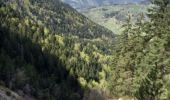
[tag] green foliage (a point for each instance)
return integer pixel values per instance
(56, 53)
(46, 50)
(142, 56)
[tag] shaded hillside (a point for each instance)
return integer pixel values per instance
(46, 60)
(26, 68)
(39, 61)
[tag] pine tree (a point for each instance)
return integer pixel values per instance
(157, 56)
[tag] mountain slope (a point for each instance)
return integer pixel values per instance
(44, 55)
(61, 18)
(28, 70)
(47, 64)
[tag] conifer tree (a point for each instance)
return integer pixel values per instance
(157, 56)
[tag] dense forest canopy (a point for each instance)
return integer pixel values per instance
(49, 51)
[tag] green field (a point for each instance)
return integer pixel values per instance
(112, 17)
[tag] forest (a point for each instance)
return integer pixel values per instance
(49, 51)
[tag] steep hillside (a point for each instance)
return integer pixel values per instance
(50, 51)
(80, 60)
(28, 70)
(60, 18)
